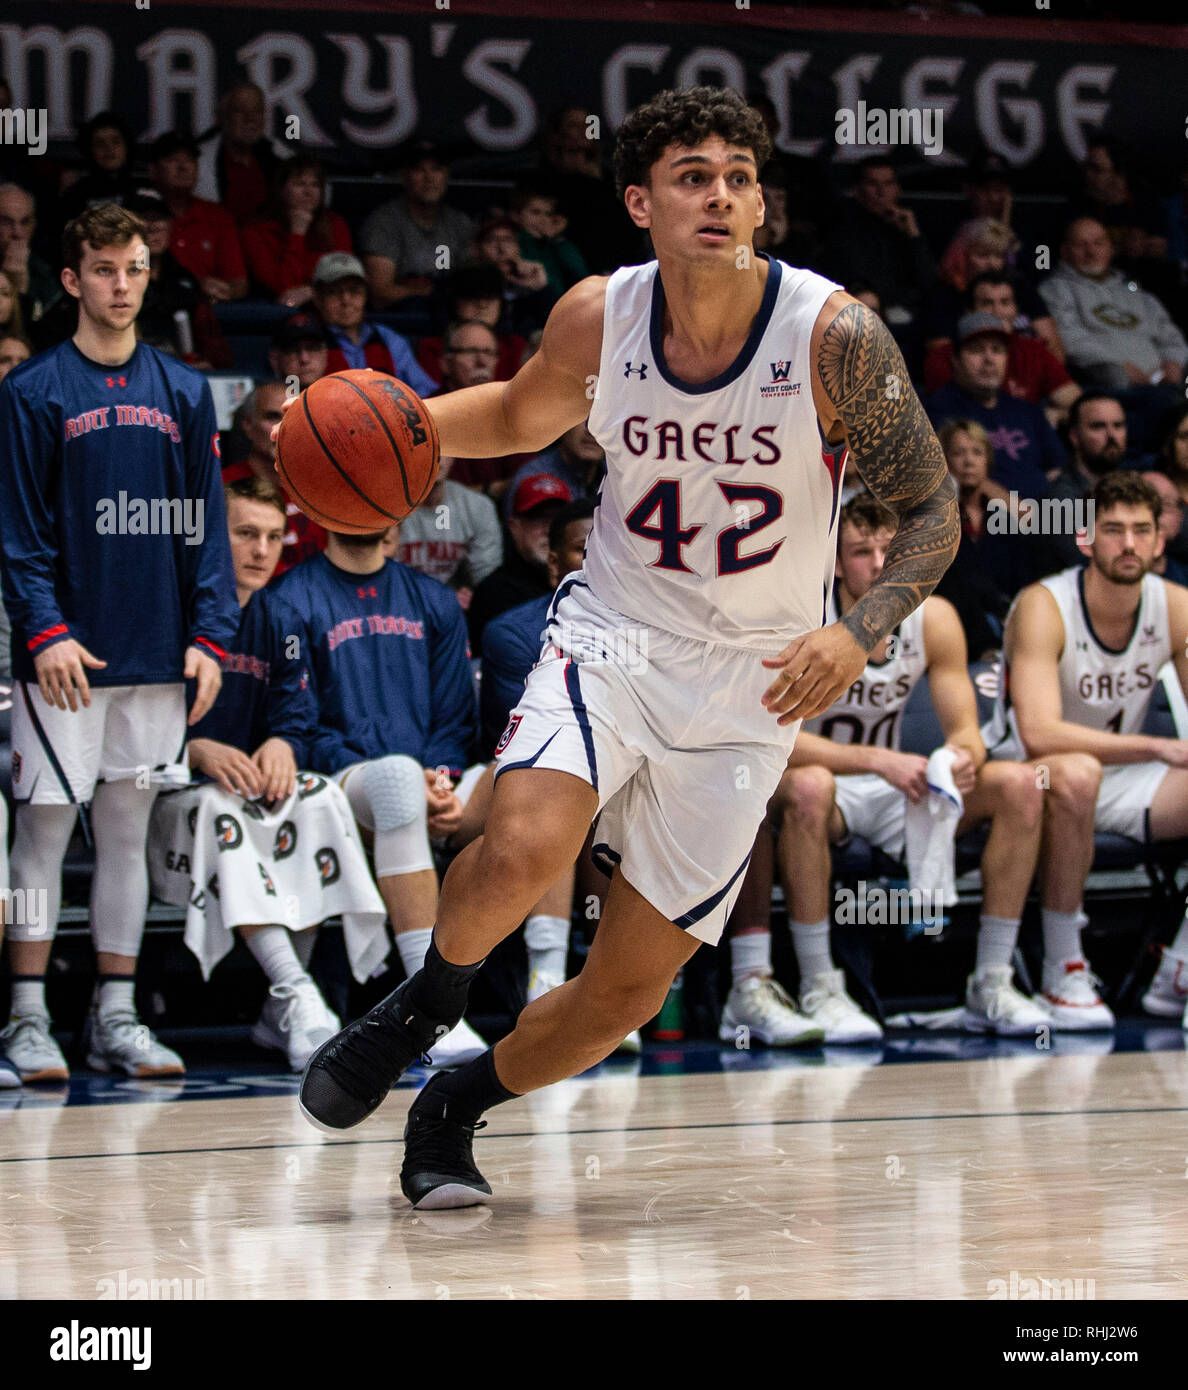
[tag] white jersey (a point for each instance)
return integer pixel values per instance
(717, 517)
(1100, 688)
(871, 711)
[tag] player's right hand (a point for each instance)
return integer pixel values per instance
(285, 404)
(231, 768)
(907, 772)
(60, 674)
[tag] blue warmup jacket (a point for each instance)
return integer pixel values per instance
(265, 692)
(96, 459)
(388, 663)
(511, 648)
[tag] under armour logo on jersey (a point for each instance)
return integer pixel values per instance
(368, 591)
(1148, 635)
(114, 381)
(642, 369)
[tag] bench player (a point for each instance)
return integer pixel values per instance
(726, 387)
(848, 776)
(118, 581)
(1082, 651)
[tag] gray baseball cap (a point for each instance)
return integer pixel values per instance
(338, 265)
(974, 325)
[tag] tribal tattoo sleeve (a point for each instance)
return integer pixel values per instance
(901, 461)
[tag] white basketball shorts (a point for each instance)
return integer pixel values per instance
(1127, 790)
(58, 755)
(873, 809)
(671, 734)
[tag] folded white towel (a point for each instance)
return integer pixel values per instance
(931, 832)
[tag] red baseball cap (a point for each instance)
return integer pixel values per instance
(539, 490)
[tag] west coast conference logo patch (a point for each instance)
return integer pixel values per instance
(508, 734)
(780, 385)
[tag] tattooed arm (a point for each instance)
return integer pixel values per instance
(863, 393)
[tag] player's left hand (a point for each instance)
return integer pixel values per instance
(275, 760)
(207, 672)
(815, 670)
(965, 770)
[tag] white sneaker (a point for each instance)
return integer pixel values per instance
(119, 1041)
(540, 982)
(1167, 994)
(632, 1045)
(824, 1001)
(32, 1051)
(994, 1005)
(763, 1008)
(295, 1020)
(462, 1044)
(1071, 999)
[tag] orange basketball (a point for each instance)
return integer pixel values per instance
(357, 451)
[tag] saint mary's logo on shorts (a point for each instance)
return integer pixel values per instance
(328, 866)
(286, 841)
(508, 734)
(228, 832)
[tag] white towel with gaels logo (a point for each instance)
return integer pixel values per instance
(236, 863)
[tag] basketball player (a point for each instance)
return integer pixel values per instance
(387, 657)
(1082, 652)
(117, 577)
(848, 776)
(725, 388)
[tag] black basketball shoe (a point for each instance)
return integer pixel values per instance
(438, 1170)
(349, 1076)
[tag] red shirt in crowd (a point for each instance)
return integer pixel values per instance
(281, 260)
(246, 188)
(1033, 373)
(205, 240)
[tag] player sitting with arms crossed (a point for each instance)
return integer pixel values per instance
(848, 776)
(260, 848)
(728, 388)
(1083, 649)
(117, 578)
(387, 657)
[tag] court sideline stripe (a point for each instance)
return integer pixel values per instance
(633, 1129)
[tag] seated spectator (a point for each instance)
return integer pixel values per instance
(204, 239)
(1117, 337)
(979, 248)
(105, 143)
(1172, 458)
(1034, 373)
(11, 319)
(534, 209)
(300, 349)
(236, 159)
(175, 315)
(454, 536)
(257, 416)
(1170, 564)
(13, 351)
(1097, 438)
(38, 288)
(340, 296)
(1082, 653)
(879, 240)
(475, 294)
(387, 656)
(576, 459)
(525, 282)
(983, 576)
(1026, 448)
(469, 359)
(246, 849)
(409, 243)
(294, 230)
(524, 573)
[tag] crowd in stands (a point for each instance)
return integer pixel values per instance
(1043, 367)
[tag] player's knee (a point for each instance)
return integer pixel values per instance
(1074, 780)
(518, 857)
(1022, 797)
(806, 794)
(395, 790)
(616, 1009)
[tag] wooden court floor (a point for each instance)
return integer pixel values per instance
(788, 1180)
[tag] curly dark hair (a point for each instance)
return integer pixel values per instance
(685, 118)
(1127, 489)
